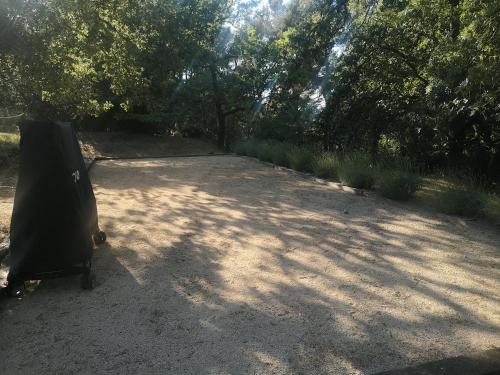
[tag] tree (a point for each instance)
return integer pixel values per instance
(410, 77)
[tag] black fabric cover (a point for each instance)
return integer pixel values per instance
(55, 212)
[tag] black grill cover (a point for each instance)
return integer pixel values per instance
(55, 212)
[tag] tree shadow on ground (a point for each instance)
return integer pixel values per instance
(228, 266)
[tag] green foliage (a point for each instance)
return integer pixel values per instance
(249, 147)
(241, 148)
(461, 201)
(393, 161)
(356, 171)
(265, 151)
(9, 149)
(419, 79)
(280, 154)
(252, 147)
(301, 159)
(326, 166)
(397, 184)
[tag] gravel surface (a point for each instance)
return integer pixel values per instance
(223, 265)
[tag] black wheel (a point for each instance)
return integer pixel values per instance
(88, 281)
(16, 290)
(99, 237)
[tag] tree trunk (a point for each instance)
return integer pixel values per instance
(455, 19)
(221, 118)
(456, 140)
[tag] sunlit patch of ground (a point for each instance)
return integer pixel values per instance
(93, 144)
(224, 265)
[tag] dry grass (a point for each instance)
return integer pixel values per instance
(8, 165)
(432, 186)
(8, 153)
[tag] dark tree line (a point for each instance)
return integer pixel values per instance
(413, 79)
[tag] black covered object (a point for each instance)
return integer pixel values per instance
(55, 214)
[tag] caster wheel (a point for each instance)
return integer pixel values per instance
(16, 290)
(99, 237)
(88, 281)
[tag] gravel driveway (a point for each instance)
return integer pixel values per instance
(224, 265)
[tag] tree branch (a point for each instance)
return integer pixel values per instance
(407, 62)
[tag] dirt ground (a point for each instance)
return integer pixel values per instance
(224, 265)
(103, 144)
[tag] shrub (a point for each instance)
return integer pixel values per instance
(460, 201)
(265, 151)
(279, 154)
(9, 148)
(393, 161)
(251, 148)
(326, 166)
(356, 171)
(301, 159)
(398, 185)
(241, 148)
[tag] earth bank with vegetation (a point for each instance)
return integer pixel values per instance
(394, 179)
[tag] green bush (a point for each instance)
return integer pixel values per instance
(394, 162)
(251, 147)
(398, 185)
(241, 148)
(265, 151)
(279, 154)
(301, 159)
(460, 201)
(9, 149)
(356, 171)
(326, 166)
